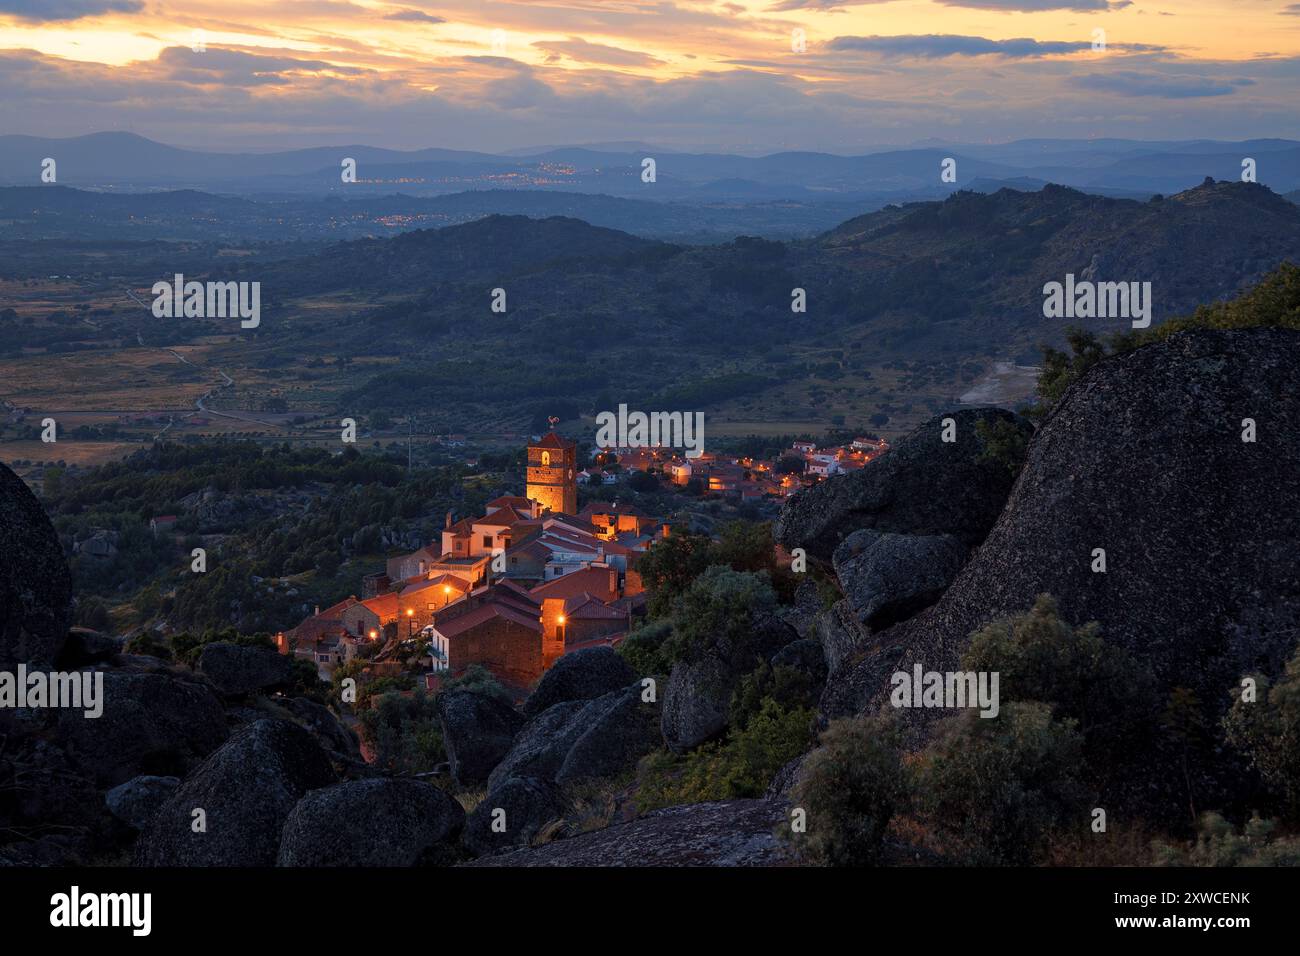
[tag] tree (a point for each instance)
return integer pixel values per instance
(670, 565)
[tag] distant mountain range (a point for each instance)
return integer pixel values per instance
(126, 161)
(958, 277)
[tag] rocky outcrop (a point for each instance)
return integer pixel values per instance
(377, 822)
(923, 486)
(576, 739)
(540, 747)
(477, 732)
(512, 815)
(138, 801)
(245, 791)
(582, 675)
(698, 696)
(35, 586)
(733, 833)
(329, 730)
(886, 578)
(236, 670)
(619, 729)
(85, 647)
(1143, 458)
(152, 723)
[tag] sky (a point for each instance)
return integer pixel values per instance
(720, 75)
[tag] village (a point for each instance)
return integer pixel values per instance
(535, 577)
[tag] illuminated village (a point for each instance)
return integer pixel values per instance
(535, 577)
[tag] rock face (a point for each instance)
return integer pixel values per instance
(246, 790)
(887, 578)
(582, 675)
(841, 635)
(1143, 457)
(85, 647)
(138, 801)
(619, 729)
(236, 670)
(375, 822)
(477, 732)
(512, 815)
(698, 695)
(35, 586)
(576, 739)
(152, 723)
(332, 734)
(923, 486)
(542, 744)
(734, 833)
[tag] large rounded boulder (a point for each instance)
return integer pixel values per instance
(582, 675)
(923, 485)
(236, 669)
(232, 809)
(477, 731)
(1144, 468)
(377, 822)
(35, 585)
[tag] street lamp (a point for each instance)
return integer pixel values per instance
(373, 634)
(410, 621)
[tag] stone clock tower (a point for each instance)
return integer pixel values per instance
(553, 474)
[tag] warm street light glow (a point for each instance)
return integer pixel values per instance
(561, 618)
(410, 612)
(373, 635)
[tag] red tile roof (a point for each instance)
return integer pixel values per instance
(553, 440)
(486, 612)
(588, 580)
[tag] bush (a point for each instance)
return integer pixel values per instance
(643, 649)
(995, 790)
(791, 688)
(1267, 731)
(718, 611)
(742, 766)
(149, 644)
(404, 732)
(850, 787)
(479, 680)
(1219, 844)
(1005, 445)
(1040, 657)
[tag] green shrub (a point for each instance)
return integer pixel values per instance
(149, 643)
(742, 766)
(792, 689)
(717, 612)
(479, 680)
(1103, 688)
(1218, 843)
(644, 650)
(1005, 444)
(1267, 731)
(403, 732)
(996, 789)
(850, 787)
